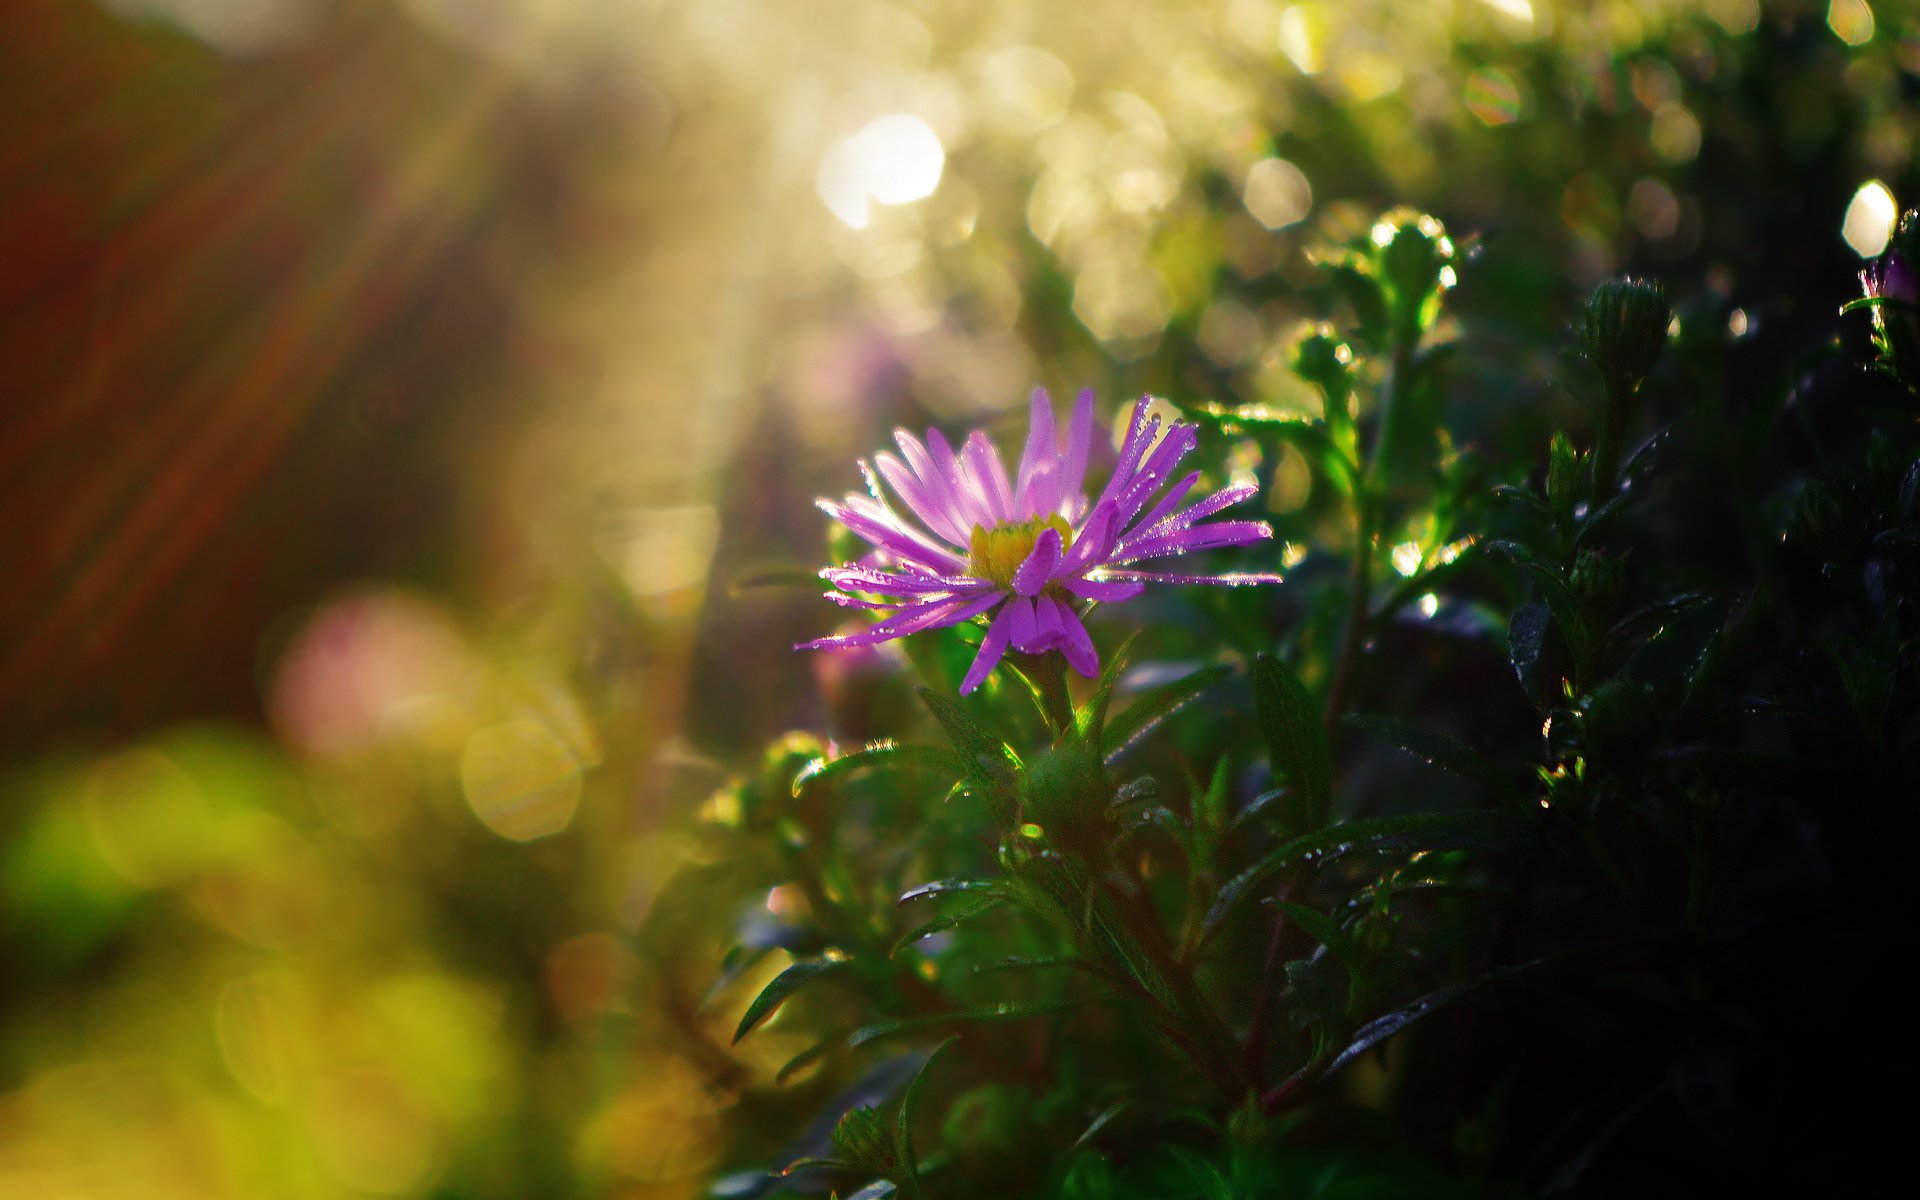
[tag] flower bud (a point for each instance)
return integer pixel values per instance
(1415, 254)
(862, 1142)
(1322, 359)
(1626, 329)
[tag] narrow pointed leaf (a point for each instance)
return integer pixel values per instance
(1101, 1122)
(882, 753)
(942, 887)
(805, 1058)
(946, 922)
(1296, 743)
(1156, 706)
(1436, 749)
(1325, 930)
(902, 1135)
(1006, 1010)
(785, 984)
(1471, 829)
(979, 748)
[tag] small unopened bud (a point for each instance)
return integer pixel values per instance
(1414, 257)
(861, 1141)
(1626, 329)
(1325, 361)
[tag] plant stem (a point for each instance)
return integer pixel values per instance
(1046, 677)
(1367, 504)
(1211, 1045)
(1606, 450)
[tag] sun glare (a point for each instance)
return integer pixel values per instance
(894, 160)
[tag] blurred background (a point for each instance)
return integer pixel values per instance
(406, 406)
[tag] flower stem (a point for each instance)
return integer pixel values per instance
(1607, 443)
(1046, 677)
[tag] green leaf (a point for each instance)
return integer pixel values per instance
(1100, 1122)
(965, 913)
(881, 753)
(981, 750)
(1559, 598)
(902, 1135)
(1526, 638)
(1156, 706)
(805, 1058)
(1381, 1028)
(785, 984)
(1435, 749)
(941, 887)
(1296, 744)
(1325, 930)
(1006, 1010)
(1469, 829)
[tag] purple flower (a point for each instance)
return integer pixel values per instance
(1025, 549)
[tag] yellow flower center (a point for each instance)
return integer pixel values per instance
(998, 552)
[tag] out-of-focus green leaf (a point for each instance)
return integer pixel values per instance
(1296, 744)
(1298, 430)
(784, 985)
(1101, 1121)
(804, 1059)
(902, 1128)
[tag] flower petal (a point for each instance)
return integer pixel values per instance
(1093, 542)
(1025, 627)
(1230, 579)
(1041, 451)
(1168, 502)
(1155, 470)
(1040, 565)
(1185, 541)
(931, 511)
(1141, 429)
(878, 527)
(982, 463)
(893, 583)
(1075, 643)
(1108, 590)
(992, 647)
(1073, 467)
(936, 615)
(969, 505)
